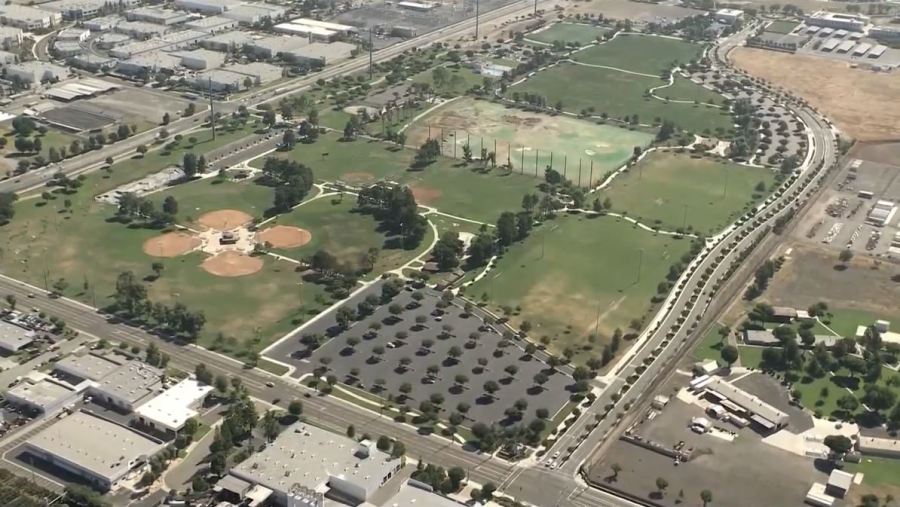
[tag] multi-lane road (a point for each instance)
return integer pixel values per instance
(536, 485)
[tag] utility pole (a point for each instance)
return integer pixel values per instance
(640, 264)
(591, 180)
(579, 171)
(212, 111)
(476, 19)
(371, 70)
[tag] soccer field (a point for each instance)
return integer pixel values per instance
(700, 194)
(578, 33)
(531, 141)
(618, 95)
(576, 275)
(640, 53)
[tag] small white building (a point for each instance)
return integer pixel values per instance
(44, 396)
(128, 387)
(839, 483)
(416, 6)
(838, 21)
(212, 24)
(156, 15)
(876, 446)
(169, 411)
(729, 16)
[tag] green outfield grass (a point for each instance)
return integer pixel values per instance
(641, 53)
(202, 196)
(445, 184)
(345, 233)
(784, 27)
(678, 191)
(576, 275)
(685, 89)
(531, 140)
(618, 95)
(577, 33)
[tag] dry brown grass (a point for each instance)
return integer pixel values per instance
(863, 103)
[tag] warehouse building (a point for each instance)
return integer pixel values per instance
(128, 386)
(102, 24)
(838, 21)
(845, 47)
(45, 396)
(236, 77)
(28, 18)
(877, 51)
(882, 213)
(141, 30)
(306, 463)
(270, 47)
(168, 42)
(65, 49)
(228, 42)
(6, 58)
(757, 410)
(313, 33)
(861, 49)
(168, 412)
(10, 36)
(35, 72)
(156, 15)
(415, 494)
(321, 54)
(416, 6)
(760, 337)
(88, 366)
(77, 10)
(335, 27)
(12, 337)
(253, 13)
(97, 450)
(73, 34)
(111, 40)
(207, 6)
(212, 24)
(876, 446)
(885, 33)
(201, 59)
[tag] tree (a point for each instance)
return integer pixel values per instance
(848, 402)
(506, 228)
(616, 468)
(839, 444)
(295, 408)
(170, 206)
(427, 153)
(221, 384)
(729, 354)
(157, 268)
(845, 256)
(706, 497)
(83, 496)
(189, 164)
(142, 149)
(491, 387)
(661, 485)
(289, 139)
(879, 397)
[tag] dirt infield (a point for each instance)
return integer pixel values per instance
(285, 236)
(171, 244)
(232, 264)
(425, 195)
(863, 103)
(224, 219)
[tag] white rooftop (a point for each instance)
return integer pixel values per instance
(13, 337)
(173, 407)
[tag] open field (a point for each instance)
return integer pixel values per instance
(567, 295)
(782, 26)
(533, 139)
(864, 104)
(684, 89)
(680, 191)
(640, 53)
(445, 184)
(335, 227)
(618, 95)
(461, 78)
(854, 296)
(575, 33)
(626, 9)
(203, 196)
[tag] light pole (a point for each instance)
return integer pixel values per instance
(640, 264)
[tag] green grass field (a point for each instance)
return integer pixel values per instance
(784, 27)
(575, 275)
(685, 89)
(877, 471)
(462, 78)
(640, 53)
(202, 196)
(673, 191)
(844, 321)
(337, 228)
(577, 33)
(618, 95)
(531, 140)
(453, 189)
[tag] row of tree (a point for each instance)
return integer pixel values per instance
(395, 207)
(132, 302)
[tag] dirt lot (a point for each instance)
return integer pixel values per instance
(171, 244)
(284, 236)
(882, 153)
(864, 104)
(809, 276)
(627, 9)
(232, 264)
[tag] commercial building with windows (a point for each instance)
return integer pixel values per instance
(305, 464)
(168, 412)
(877, 446)
(28, 18)
(88, 366)
(97, 450)
(252, 13)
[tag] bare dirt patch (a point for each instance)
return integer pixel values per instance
(285, 236)
(882, 153)
(171, 244)
(425, 195)
(863, 103)
(224, 219)
(232, 264)
(354, 178)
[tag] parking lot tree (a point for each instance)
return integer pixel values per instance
(511, 370)
(395, 309)
(446, 331)
(540, 379)
(427, 343)
(845, 256)
(433, 370)
(542, 413)
(455, 352)
(418, 296)
(729, 354)
(839, 444)
(405, 388)
(378, 351)
(661, 485)
(461, 380)
(405, 362)
(436, 398)
(482, 361)
(491, 387)
(421, 319)
(11, 301)
(352, 342)
(344, 316)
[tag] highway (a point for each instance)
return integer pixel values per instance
(95, 159)
(669, 335)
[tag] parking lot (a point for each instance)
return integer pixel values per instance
(425, 351)
(744, 472)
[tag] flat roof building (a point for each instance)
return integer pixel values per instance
(320, 53)
(760, 412)
(92, 62)
(845, 46)
(156, 15)
(337, 27)
(227, 41)
(65, 48)
(44, 396)
(35, 72)
(7, 58)
(253, 13)
(13, 337)
(875, 446)
(270, 47)
(207, 6)
(762, 337)
(861, 49)
(416, 6)
(88, 366)
(97, 450)
(729, 16)
(128, 386)
(28, 18)
(839, 483)
(201, 59)
(141, 30)
(170, 410)
(234, 77)
(877, 51)
(212, 24)
(10, 36)
(838, 21)
(410, 495)
(306, 462)
(77, 10)
(888, 33)
(102, 24)
(313, 32)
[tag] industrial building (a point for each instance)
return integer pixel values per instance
(35, 72)
(169, 411)
(877, 446)
(270, 47)
(111, 40)
(227, 41)
(334, 27)
(830, 44)
(415, 494)
(757, 410)
(92, 62)
(212, 24)
(201, 59)
(306, 463)
(73, 34)
(236, 77)
(28, 18)
(156, 15)
(845, 47)
(877, 51)
(320, 53)
(6, 58)
(760, 337)
(886, 33)
(128, 386)
(44, 396)
(97, 450)
(102, 24)
(77, 10)
(65, 49)
(10, 36)
(729, 16)
(207, 6)
(88, 366)
(416, 6)
(311, 32)
(170, 41)
(838, 21)
(861, 49)
(253, 13)
(12, 337)
(882, 213)
(141, 30)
